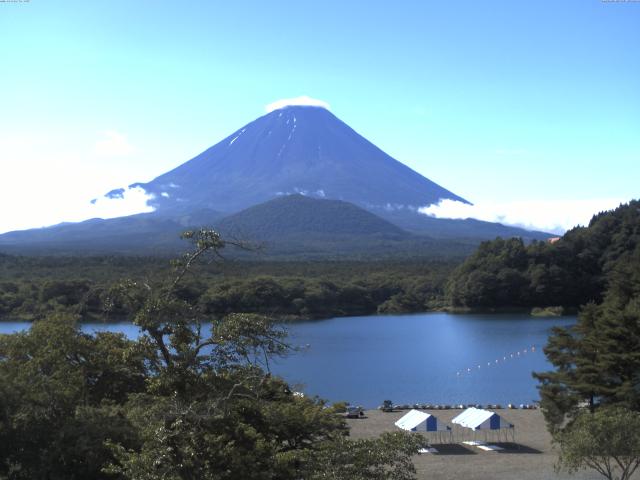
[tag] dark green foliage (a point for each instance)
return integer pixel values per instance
(386, 458)
(351, 289)
(570, 272)
(33, 287)
(59, 397)
(492, 276)
(607, 441)
(176, 403)
(597, 361)
(261, 431)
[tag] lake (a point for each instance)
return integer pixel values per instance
(423, 358)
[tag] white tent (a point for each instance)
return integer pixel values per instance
(417, 421)
(477, 419)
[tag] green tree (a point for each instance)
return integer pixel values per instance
(213, 411)
(607, 441)
(386, 458)
(597, 361)
(59, 399)
(192, 398)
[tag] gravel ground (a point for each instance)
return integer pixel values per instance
(530, 457)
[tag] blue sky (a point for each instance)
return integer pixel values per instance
(527, 109)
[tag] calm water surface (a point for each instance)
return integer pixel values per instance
(425, 358)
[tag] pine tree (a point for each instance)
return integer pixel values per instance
(598, 360)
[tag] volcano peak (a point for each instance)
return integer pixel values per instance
(302, 101)
(295, 148)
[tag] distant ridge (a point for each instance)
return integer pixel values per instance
(288, 227)
(145, 233)
(422, 224)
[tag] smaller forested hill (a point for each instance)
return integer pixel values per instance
(570, 272)
(304, 228)
(299, 215)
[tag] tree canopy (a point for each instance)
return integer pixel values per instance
(591, 400)
(597, 361)
(607, 441)
(33, 287)
(570, 272)
(191, 398)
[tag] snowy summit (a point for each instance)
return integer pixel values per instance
(302, 101)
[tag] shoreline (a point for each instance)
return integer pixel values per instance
(541, 312)
(530, 457)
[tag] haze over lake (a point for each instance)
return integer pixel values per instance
(425, 358)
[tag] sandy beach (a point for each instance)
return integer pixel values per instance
(530, 457)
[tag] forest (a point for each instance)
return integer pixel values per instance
(502, 273)
(570, 272)
(591, 397)
(180, 404)
(174, 404)
(32, 287)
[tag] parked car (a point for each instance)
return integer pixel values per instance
(354, 412)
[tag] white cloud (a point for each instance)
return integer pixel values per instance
(298, 101)
(130, 201)
(555, 216)
(51, 178)
(113, 144)
(36, 210)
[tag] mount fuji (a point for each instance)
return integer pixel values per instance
(293, 150)
(290, 152)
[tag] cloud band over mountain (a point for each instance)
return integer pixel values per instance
(556, 216)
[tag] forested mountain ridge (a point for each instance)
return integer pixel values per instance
(300, 215)
(572, 271)
(299, 227)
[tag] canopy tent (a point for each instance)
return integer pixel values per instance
(417, 421)
(478, 419)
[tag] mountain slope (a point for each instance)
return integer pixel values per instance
(289, 227)
(146, 233)
(297, 215)
(293, 150)
(456, 228)
(300, 227)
